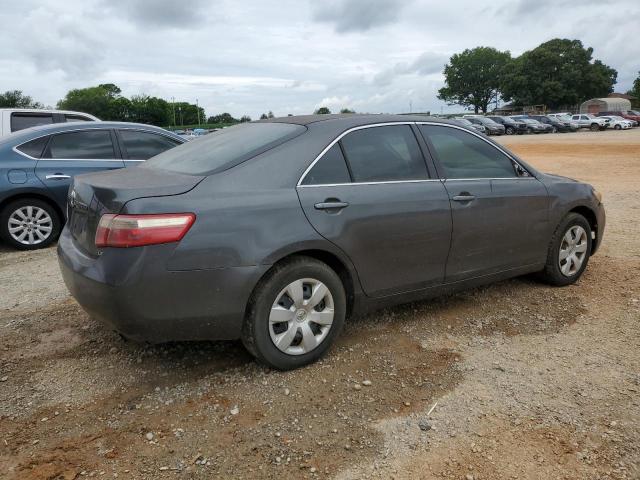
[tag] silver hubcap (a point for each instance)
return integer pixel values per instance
(301, 316)
(573, 250)
(30, 225)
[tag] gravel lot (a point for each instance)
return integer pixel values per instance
(528, 381)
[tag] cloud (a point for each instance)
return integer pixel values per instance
(358, 15)
(161, 13)
(62, 43)
(426, 64)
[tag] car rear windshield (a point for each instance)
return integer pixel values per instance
(224, 149)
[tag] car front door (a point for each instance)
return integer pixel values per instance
(370, 194)
(74, 152)
(499, 210)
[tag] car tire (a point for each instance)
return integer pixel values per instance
(595, 127)
(554, 130)
(509, 131)
(285, 293)
(617, 127)
(36, 219)
(566, 261)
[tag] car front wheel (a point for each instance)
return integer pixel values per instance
(510, 131)
(29, 224)
(295, 314)
(569, 251)
(595, 127)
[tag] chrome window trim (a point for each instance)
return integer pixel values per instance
(385, 124)
(387, 182)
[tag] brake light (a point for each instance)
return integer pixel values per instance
(125, 231)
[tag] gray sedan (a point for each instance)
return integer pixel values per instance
(277, 231)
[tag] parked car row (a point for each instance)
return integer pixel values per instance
(550, 123)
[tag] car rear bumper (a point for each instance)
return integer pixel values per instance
(131, 291)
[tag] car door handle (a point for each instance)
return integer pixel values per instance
(464, 197)
(330, 205)
(58, 176)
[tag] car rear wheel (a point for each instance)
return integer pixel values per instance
(29, 224)
(295, 314)
(618, 127)
(510, 131)
(569, 251)
(595, 127)
(554, 130)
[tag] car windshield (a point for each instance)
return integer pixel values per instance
(464, 121)
(530, 121)
(588, 115)
(565, 118)
(224, 149)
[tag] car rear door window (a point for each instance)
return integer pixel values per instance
(87, 144)
(20, 120)
(463, 155)
(34, 147)
(144, 145)
(387, 153)
(329, 169)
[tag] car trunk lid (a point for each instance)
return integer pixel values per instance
(93, 195)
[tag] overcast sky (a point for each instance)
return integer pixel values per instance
(289, 56)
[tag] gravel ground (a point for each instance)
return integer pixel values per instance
(514, 380)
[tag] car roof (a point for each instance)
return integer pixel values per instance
(349, 120)
(34, 132)
(47, 110)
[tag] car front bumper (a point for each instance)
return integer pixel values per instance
(131, 291)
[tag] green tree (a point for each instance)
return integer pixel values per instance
(270, 114)
(473, 77)
(635, 91)
(101, 101)
(223, 118)
(150, 110)
(346, 110)
(557, 73)
(263, 116)
(322, 111)
(16, 99)
(245, 118)
(187, 113)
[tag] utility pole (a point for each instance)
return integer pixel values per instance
(198, 109)
(173, 106)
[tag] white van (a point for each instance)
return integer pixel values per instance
(14, 119)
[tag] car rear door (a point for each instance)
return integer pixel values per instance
(499, 212)
(74, 152)
(370, 193)
(140, 145)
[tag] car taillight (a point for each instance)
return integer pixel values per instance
(137, 230)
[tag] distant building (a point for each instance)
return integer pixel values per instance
(609, 104)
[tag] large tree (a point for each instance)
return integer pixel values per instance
(151, 110)
(16, 99)
(635, 91)
(473, 77)
(557, 73)
(101, 101)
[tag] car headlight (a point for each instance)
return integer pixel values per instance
(597, 194)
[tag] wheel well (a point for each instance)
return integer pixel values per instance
(587, 213)
(336, 265)
(43, 198)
